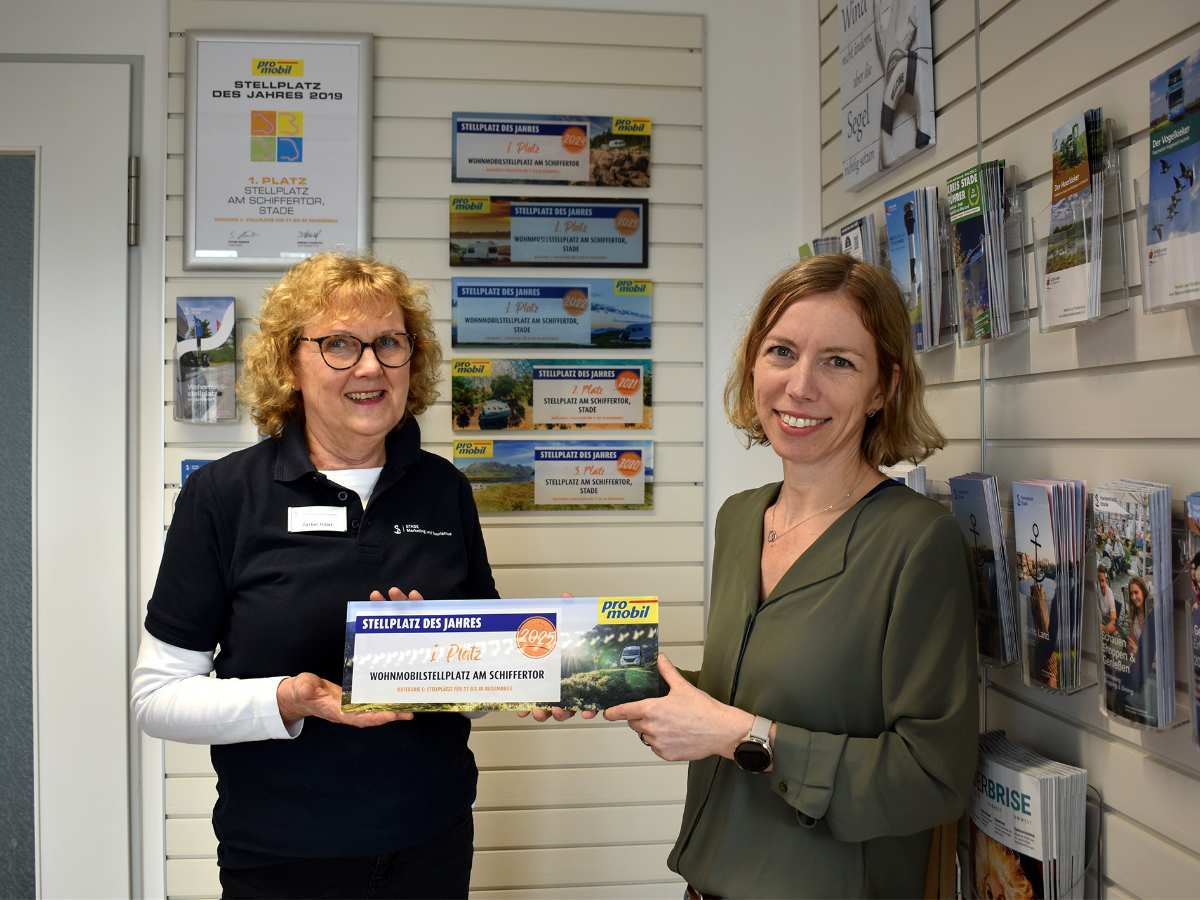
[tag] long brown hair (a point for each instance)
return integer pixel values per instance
(903, 429)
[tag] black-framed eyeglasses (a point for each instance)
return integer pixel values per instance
(343, 351)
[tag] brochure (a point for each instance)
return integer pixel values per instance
(915, 256)
(861, 240)
(979, 251)
(1132, 537)
(613, 151)
(522, 394)
(976, 504)
(1173, 225)
(205, 359)
(462, 655)
(1048, 524)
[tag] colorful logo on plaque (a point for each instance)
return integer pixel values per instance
(289, 68)
(276, 135)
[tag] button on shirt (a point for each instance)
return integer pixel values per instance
(274, 601)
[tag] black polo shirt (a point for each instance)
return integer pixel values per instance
(274, 602)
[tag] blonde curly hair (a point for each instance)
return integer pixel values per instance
(903, 429)
(305, 293)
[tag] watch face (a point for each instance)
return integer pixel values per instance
(752, 756)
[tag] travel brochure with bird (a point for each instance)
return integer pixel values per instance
(580, 653)
(1173, 226)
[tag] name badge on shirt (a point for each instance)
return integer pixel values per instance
(316, 518)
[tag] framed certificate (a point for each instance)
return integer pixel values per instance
(278, 147)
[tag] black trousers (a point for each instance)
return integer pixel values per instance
(438, 869)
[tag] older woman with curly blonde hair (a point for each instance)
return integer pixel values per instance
(265, 548)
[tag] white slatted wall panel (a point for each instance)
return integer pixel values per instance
(574, 810)
(1106, 400)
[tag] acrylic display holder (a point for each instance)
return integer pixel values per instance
(1168, 233)
(1015, 240)
(1067, 258)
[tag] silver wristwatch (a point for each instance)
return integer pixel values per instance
(753, 752)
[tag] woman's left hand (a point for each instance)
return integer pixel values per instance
(394, 593)
(686, 724)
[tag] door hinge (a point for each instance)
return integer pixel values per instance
(134, 202)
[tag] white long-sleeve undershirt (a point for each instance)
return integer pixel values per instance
(174, 698)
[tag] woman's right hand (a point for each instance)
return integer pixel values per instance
(307, 694)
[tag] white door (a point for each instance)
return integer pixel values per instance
(73, 119)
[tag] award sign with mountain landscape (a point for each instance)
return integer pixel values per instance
(613, 151)
(509, 475)
(579, 653)
(523, 394)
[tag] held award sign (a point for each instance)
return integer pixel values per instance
(278, 148)
(464, 655)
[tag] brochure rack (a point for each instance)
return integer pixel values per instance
(1162, 288)
(1109, 267)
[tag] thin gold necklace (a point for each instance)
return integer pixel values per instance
(773, 535)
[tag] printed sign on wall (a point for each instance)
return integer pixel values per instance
(522, 394)
(517, 475)
(563, 231)
(543, 312)
(551, 149)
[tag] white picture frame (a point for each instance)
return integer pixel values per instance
(278, 147)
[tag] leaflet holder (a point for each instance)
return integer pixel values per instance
(1068, 259)
(1167, 238)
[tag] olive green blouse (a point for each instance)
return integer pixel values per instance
(864, 655)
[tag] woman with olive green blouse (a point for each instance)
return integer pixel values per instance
(832, 726)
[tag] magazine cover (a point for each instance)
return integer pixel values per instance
(888, 110)
(1037, 581)
(906, 256)
(1067, 281)
(205, 359)
(1173, 226)
(1006, 825)
(969, 255)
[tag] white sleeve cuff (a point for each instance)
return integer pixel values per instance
(174, 698)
